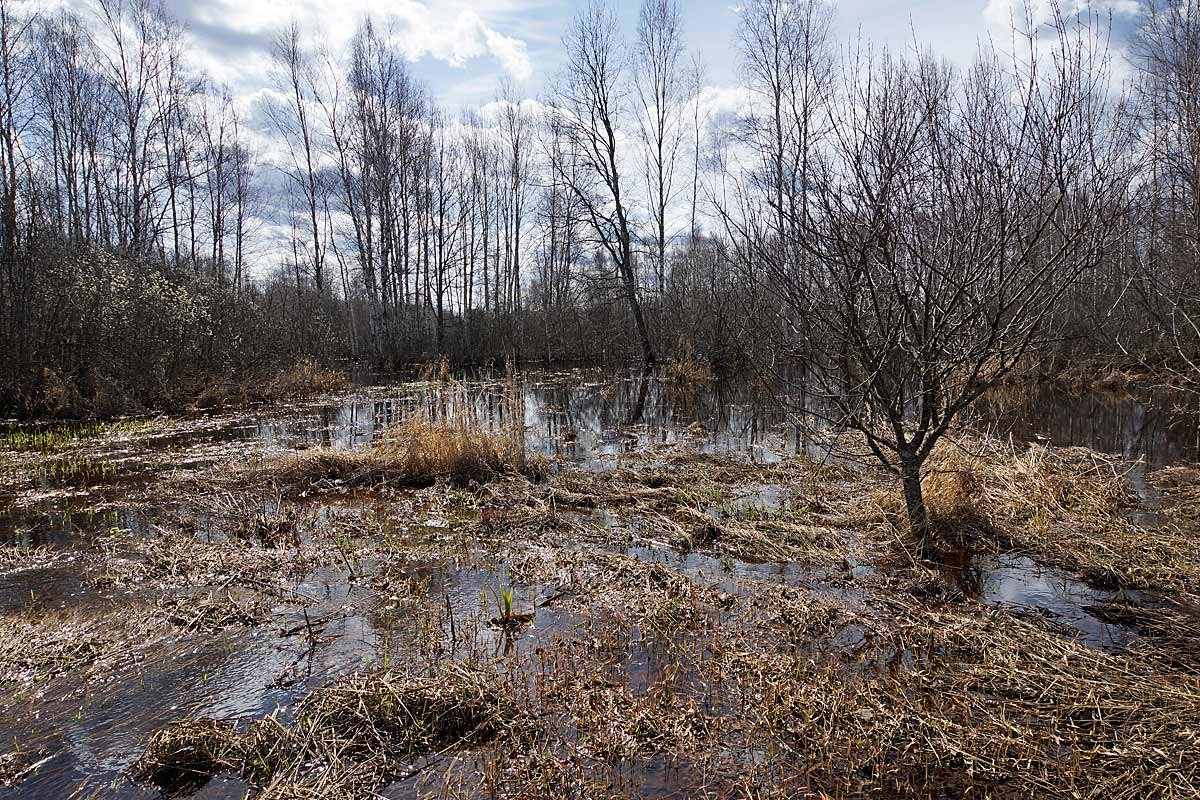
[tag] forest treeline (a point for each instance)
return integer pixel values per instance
(868, 215)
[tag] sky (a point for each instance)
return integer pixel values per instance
(462, 48)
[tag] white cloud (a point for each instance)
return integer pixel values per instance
(465, 38)
(1001, 14)
(445, 31)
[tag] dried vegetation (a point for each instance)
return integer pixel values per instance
(638, 659)
(304, 380)
(417, 452)
(37, 645)
(1068, 506)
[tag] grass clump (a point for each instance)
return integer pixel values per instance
(454, 448)
(186, 754)
(354, 733)
(374, 714)
(418, 451)
(304, 380)
(687, 371)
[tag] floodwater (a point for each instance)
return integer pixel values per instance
(339, 620)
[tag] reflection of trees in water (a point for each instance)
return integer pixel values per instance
(1159, 426)
(578, 414)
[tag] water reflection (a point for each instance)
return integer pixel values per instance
(590, 417)
(1156, 426)
(1021, 585)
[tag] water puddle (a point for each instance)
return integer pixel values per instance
(1050, 596)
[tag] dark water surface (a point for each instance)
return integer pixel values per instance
(91, 735)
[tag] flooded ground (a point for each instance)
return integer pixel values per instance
(681, 602)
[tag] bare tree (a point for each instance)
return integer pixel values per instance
(660, 84)
(591, 103)
(296, 124)
(952, 212)
(140, 62)
(1166, 54)
(788, 65)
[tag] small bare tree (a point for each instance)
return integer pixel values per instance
(951, 212)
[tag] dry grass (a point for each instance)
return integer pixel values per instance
(1180, 490)
(15, 766)
(186, 754)
(896, 700)
(403, 713)
(691, 502)
(775, 692)
(213, 610)
(419, 451)
(304, 380)
(14, 558)
(270, 524)
(177, 560)
(687, 371)
(1067, 506)
(452, 448)
(1103, 377)
(356, 733)
(992, 706)
(435, 371)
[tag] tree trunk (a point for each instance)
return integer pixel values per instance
(914, 502)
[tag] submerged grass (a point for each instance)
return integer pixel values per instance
(16, 558)
(787, 692)
(358, 732)
(56, 437)
(640, 667)
(37, 645)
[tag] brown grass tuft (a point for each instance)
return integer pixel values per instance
(359, 731)
(303, 381)
(687, 371)
(452, 448)
(435, 371)
(393, 712)
(417, 452)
